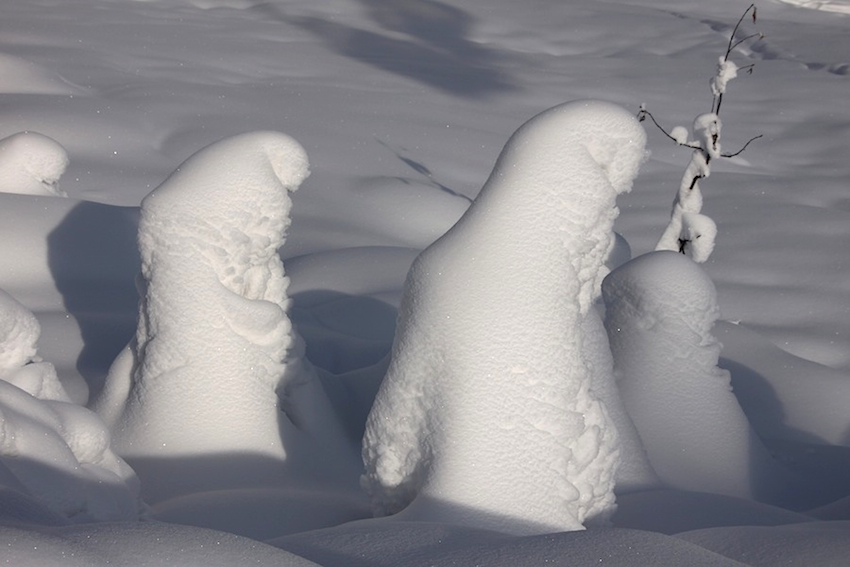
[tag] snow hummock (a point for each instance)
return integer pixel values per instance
(51, 449)
(660, 310)
(487, 413)
(31, 164)
(213, 364)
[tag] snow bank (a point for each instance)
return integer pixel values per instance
(31, 164)
(660, 310)
(486, 414)
(53, 450)
(212, 368)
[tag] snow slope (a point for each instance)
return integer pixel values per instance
(403, 108)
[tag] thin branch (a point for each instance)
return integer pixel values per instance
(642, 116)
(730, 47)
(745, 39)
(745, 146)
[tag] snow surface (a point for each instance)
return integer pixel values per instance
(403, 108)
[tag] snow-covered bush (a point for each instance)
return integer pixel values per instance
(213, 367)
(31, 164)
(688, 231)
(660, 310)
(487, 413)
(51, 449)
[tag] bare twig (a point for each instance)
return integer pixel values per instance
(642, 116)
(743, 148)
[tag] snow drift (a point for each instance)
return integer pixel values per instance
(486, 413)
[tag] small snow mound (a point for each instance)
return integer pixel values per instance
(31, 164)
(19, 332)
(19, 364)
(662, 285)
(660, 310)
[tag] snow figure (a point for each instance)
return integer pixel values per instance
(31, 164)
(211, 368)
(486, 413)
(660, 309)
(51, 449)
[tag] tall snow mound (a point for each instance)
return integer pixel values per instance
(210, 358)
(53, 450)
(486, 414)
(31, 164)
(660, 310)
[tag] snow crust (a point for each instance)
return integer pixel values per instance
(487, 405)
(660, 310)
(31, 164)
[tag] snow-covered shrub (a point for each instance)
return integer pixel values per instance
(213, 367)
(51, 449)
(660, 310)
(682, 233)
(487, 414)
(31, 164)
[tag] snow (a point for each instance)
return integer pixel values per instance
(660, 310)
(471, 413)
(31, 164)
(403, 108)
(50, 448)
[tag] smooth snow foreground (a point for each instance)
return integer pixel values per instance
(213, 368)
(487, 415)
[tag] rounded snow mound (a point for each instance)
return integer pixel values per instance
(19, 332)
(663, 285)
(31, 164)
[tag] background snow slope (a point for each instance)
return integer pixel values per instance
(403, 107)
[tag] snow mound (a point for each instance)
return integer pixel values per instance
(660, 310)
(203, 372)
(486, 414)
(139, 543)
(824, 544)
(31, 164)
(53, 450)
(215, 368)
(421, 544)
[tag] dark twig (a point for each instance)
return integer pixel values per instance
(642, 116)
(745, 146)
